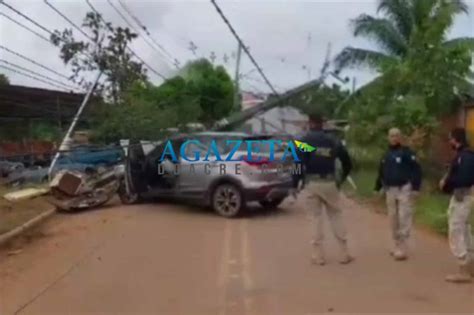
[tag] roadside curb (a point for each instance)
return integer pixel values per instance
(5, 237)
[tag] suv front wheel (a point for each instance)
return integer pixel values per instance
(227, 200)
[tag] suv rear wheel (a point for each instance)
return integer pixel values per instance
(227, 200)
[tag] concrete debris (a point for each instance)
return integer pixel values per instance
(27, 193)
(72, 190)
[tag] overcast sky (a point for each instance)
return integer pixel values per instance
(277, 33)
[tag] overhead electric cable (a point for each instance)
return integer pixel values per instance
(244, 47)
(32, 77)
(145, 29)
(128, 48)
(33, 61)
(24, 26)
(11, 64)
(67, 19)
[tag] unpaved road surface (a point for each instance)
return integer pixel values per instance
(174, 259)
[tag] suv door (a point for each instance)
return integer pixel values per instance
(135, 168)
(193, 182)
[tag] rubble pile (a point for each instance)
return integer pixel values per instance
(73, 190)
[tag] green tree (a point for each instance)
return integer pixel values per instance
(406, 25)
(106, 51)
(213, 88)
(4, 79)
(202, 93)
(423, 74)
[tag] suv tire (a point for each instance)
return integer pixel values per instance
(227, 200)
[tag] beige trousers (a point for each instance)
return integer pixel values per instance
(323, 196)
(460, 238)
(400, 212)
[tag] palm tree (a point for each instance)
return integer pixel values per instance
(397, 34)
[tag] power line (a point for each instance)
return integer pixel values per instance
(231, 28)
(32, 61)
(128, 48)
(33, 32)
(32, 77)
(37, 74)
(144, 28)
(26, 17)
(133, 28)
(24, 26)
(67, 19)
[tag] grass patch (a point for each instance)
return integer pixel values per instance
(431, 206)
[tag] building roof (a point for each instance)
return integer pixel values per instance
(250, 99)
(27, 102)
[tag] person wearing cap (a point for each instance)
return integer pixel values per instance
(323, 190)
(399, 177)
(459, 182)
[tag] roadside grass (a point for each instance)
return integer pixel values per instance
(431, 206)
(13, 214)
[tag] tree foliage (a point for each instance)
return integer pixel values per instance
(106, 51)
(202, 93)
(405, 24)
(423, 74)
(213, 88)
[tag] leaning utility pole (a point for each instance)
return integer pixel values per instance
(237, 77)
(66, 140)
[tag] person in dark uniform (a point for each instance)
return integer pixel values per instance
(399, 176)
(459, 181)
(323, 188)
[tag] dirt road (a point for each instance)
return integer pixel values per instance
(173, 259)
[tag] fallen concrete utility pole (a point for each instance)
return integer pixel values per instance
(66, 140)
(279, 100)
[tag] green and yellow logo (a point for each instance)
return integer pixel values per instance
(304, 147)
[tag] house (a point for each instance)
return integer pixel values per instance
(22, 107)
(463, 117)
(285, 119)
(27, 113)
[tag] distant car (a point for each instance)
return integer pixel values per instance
(38, 174)
(227, 193)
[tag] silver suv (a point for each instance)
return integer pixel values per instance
(225, 186)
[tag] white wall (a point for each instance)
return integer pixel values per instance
(278, 120)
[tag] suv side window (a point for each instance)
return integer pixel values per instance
(155, 154)
(192, 147)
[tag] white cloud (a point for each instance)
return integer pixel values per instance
(273, 30)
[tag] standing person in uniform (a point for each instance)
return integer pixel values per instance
(459, 182)
(323, 191)
(399, 176)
